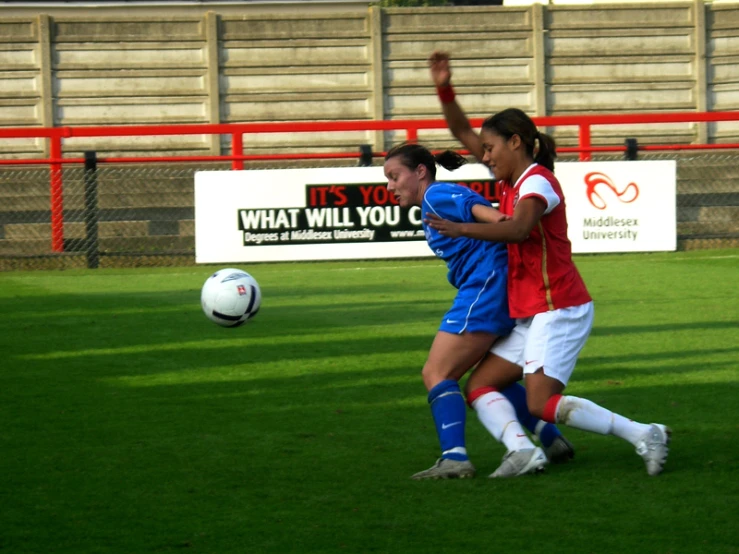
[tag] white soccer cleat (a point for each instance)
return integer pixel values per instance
(520, 462)
(447, 469)
(652, 447)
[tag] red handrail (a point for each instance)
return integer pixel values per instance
(56, 196)
(55, 135)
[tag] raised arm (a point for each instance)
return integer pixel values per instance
(456, 119)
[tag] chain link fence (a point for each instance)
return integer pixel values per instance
(143, 215)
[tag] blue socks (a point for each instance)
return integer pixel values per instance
(547, 432)
(449, 410)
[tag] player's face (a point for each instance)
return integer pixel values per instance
(498, 154)
(402, 182)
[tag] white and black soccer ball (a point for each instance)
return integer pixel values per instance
(230, 297)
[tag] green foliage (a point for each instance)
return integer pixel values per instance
(132, 424)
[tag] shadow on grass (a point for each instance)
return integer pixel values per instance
(605, 331)
(82, 322)
(642, 365)
(242, 445)
(321, 460)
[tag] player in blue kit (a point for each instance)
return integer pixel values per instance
(478, 316)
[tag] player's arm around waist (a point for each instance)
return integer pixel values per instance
(526, 216)
(487, 214)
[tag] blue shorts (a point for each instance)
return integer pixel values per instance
(481, 305)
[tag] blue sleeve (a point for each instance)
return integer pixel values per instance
(452, 202)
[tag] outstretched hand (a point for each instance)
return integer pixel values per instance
(441, 73)
(444, 226)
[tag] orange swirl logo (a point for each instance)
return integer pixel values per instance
(593, 179)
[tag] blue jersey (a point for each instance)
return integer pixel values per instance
(462, 255)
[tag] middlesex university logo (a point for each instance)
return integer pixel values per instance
(595, 178)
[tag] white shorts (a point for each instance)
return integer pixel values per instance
(550, 340)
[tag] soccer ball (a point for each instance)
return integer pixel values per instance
(230, 297)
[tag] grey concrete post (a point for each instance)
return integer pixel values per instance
(213, 77)
(540, 61)
(701, 72)
(45, 70)
(378, 81)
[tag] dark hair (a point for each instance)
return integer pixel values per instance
(513, 121)
(413, 155)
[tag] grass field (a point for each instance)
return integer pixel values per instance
(132, 424)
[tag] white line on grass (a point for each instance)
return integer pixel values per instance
(379, 268)
(710, 257)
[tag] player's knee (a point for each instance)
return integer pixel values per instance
(432, 375)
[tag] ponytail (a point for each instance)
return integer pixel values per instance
(547, 151)
(413, 155)
(450, 160)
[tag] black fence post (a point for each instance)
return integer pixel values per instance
(632, 149)
(365, 155)
(92, 246)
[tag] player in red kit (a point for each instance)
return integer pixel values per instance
(547, 297)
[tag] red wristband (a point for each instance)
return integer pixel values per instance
(446, 94)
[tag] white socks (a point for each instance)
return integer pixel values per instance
(588, 416)
(498, 416)
(627, 429)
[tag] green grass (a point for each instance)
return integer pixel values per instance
(132, 424)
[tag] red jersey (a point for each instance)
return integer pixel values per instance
(541, 274)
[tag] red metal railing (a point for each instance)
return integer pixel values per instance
(56, 135)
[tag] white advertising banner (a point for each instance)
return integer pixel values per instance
(620, 206)
(347, 213)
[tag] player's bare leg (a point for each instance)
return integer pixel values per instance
(546, 400)
(450, 357)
